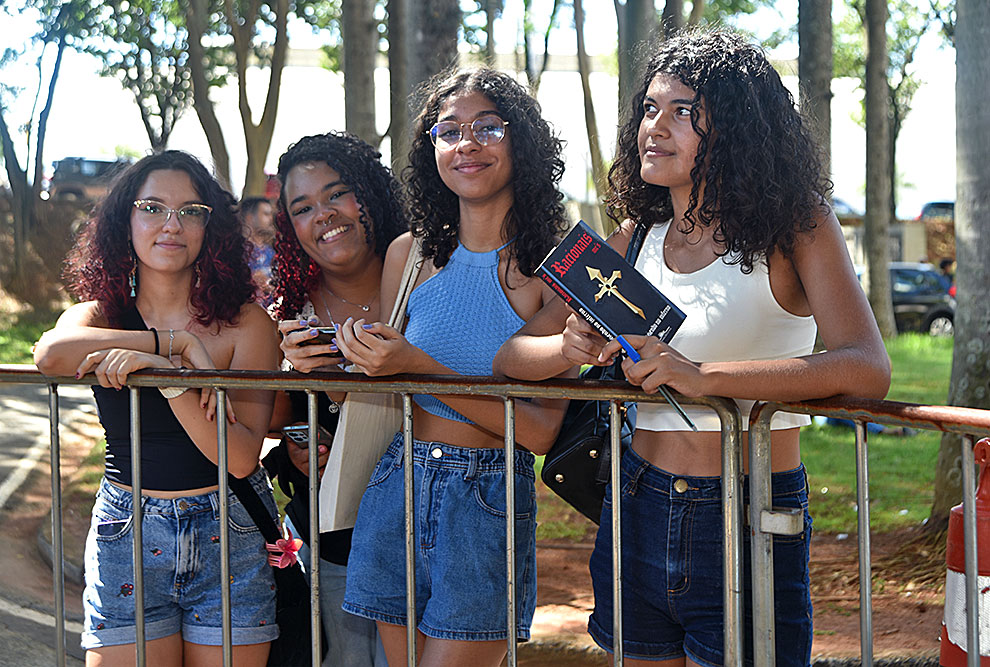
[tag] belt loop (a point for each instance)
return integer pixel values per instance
(634, 482)
(472, 469)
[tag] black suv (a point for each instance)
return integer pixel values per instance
(83, 179)
(921, 301)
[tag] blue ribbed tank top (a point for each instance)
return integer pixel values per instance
(460, 316)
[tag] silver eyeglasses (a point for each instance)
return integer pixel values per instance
(486, 130)
(152, 212)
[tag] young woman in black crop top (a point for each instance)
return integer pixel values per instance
(164, 282)
(338, 211)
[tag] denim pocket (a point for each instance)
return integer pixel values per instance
(239, 518)
(386, 464)
(489, 492)
(110, 522)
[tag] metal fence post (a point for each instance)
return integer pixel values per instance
(865, 567)
(58, 576)
(510, 528)
(138, 528)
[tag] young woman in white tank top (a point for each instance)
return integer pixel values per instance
(715, 161)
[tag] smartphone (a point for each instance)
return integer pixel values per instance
(325, 337)
(299, 434)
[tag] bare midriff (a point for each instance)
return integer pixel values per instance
(183, 493)
(430, 428)
(700, 454)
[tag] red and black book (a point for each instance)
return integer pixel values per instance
(601, 286)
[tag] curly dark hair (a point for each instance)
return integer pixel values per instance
(762, 173)
(359, 165)
(537, 217)
(100, 262)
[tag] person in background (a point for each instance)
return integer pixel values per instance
(716, 163)
(339, 209)
(258, 218)
(163, 278)
(947, 272)
(482, 189)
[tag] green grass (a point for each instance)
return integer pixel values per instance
(901, 468)
(19, 332)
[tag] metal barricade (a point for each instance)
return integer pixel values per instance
(970, 423)
(763, 520)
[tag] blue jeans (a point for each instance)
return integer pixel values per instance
(181, 540)
(672, 568)
(351, 641)
(460, 542)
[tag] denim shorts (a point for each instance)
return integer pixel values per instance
(672, 568)
(181, 570)
(459, 538)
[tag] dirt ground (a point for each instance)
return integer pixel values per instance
(908, 575)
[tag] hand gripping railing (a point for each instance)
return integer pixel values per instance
(764, 521)
(407, 386)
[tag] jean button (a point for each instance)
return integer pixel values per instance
(183, 505)
(436, 453)
(680, 485)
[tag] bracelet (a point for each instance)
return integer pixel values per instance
(154, 332)
(172, 392)
(171, 339)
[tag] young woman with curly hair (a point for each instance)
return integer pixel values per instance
(717, 165)
(163, 278)
(339, 209)
(482, 186)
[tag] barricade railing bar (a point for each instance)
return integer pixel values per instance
(970, 423)
(764, 520)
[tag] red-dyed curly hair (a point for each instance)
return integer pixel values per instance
(100, 262)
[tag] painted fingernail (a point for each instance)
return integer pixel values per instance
(314, 333)
(333, 348)
(367, 326)
(78, 375)
(303, 323)
(334, 341)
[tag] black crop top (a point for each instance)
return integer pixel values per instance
(170, 461)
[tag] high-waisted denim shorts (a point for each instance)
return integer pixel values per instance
(672, 579)
(181, 570)
(459, 539)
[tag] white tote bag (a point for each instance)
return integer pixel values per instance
(365, 428)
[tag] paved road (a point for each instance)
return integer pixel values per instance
(27, 628)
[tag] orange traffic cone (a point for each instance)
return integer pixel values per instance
(953, 649)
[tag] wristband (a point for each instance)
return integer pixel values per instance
(154, 332)
(171, 339)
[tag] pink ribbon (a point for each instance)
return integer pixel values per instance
(282, 554)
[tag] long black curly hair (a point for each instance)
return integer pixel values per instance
(100, 262)
(360, 168)
(762, 176)
(537, 217)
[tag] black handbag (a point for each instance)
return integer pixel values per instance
(578, 465)
(294, 645)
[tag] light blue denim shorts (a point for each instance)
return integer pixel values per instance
(181, 570)
(459, 538)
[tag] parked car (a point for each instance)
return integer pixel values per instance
(83, 178)
(844, 209)
(921, 301)
(937, 210)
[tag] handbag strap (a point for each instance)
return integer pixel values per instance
(410, 273)
(255, 507)
(635, 243)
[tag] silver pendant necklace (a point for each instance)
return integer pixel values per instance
(349, 303)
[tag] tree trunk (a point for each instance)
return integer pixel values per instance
(590, 122)
(672, 18)
(398, 83)
(433, 38)
(492, 8)
(970, 383)
(637, 22)
(877, 218)
(815, 73)
(258, 136)
(196, 21)
(360, 39)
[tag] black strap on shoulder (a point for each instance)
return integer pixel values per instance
(636, 243)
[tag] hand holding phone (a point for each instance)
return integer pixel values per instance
(299, 435)
(324, 337)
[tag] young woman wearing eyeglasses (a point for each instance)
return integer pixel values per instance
(163, 275)
(482, 179)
